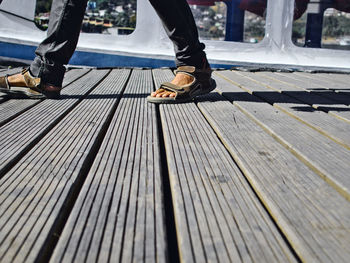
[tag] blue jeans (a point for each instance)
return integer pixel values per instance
(65, 24)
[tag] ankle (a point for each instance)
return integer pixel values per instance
(182, 79)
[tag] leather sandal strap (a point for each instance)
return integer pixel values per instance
(186, 69)
(199, 74)
(192, 70)
(181, 91)
(172, 87)
(31, 82)
(4, 82)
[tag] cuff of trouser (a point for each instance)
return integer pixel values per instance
(197, 60)
(48, 73)
(199, 63)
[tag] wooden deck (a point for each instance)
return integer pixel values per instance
(257, 171)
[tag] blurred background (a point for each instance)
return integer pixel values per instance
(229, 20)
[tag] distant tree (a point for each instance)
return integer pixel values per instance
(299, 28)
(103, 5)
(331, 26)
(211, 14)
(125, 19)
(43, 6)
(254, 29)
(336, 26)
(122, 20)
(215, 32)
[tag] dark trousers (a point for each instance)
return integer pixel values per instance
(65, 24)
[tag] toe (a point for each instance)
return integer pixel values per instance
(157, 92)
(166, 94)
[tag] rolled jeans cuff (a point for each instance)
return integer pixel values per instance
(196, 58)
(49, 73)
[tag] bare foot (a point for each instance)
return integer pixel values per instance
(179, 80)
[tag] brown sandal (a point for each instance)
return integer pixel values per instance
(202, 84)
(32, 88)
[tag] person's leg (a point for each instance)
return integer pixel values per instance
(180, 27)
(54, 51)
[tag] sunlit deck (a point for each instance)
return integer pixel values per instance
(257, 171)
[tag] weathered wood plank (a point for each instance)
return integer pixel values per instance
(14, 107)
(311, 214)
(320, 81)
(218, 217)
(317, 100)
(334, 83)
(72, 75)
(37, 190)
(306, 83)
(326, 88)
(331, 77)
(270, 90)
(342, 78)
(119, 212)
(21, 133)
(333, 128)
(329, 159)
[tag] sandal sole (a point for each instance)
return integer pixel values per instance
(23, 92)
